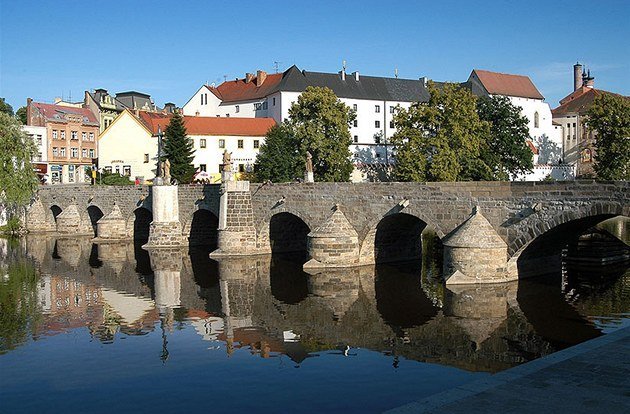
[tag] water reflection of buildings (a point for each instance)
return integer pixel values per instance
(271, 307)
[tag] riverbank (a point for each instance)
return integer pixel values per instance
(592, 377)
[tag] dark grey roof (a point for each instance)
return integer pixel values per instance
(135, 100)
(98, 93)
(367, 87)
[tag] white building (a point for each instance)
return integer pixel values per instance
(129, 145)
(374, 99)
(40, 158)
(544, 134)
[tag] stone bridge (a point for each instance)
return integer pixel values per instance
(486, 227)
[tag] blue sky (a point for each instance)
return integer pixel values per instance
(169, 48)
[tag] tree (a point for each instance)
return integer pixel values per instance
(319, 123)
(442, 139)
(609, 116)
(278, 159)
(20, 114)
(506, 152)
(179, 150)
(17, 179)
(5, 107)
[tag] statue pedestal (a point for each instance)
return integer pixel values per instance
(308, 177)
(165, 229)
(227, 176)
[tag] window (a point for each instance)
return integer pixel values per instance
(84, 152)
(202, 167)
(63, 134)
(377, 138)
(391, 124)
(84, 136)
(91, 136)
(108, 169)
(227, 115)
(237, 108)
(118, 169)
(392, 109)
(204, 99)
(240, 143)
(354, 107)
(62, 151)
(377, 109)
(201, 96)
(91, 153)
(74, 135)
(256, 143)
(55, 151)
(221, 143)
(74, 152)
(54, 134)
(264, 105)
(146, 158)
(355, 123)
(536, 120)
(127, 170)
(356, 138)
(274, 101)
(377, 124)
(241, 168)
(257, 106)
(39, 140)
(202, 143)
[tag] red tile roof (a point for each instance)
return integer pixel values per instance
(579, 102)
(532, 147)
(508, 85)
(56, 113)
(239, 90)
(202, 125)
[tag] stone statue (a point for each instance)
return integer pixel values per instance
(227, 161)
(167, 171)
(309, 162)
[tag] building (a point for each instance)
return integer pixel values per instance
(71, 138)
(545, 136)
(579, 140)
(106, 107)
(374, 100)
(40, 159)
(129, 145)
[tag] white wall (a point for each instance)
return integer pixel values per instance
(126, 142)
(195, 107)
(212, 155)
(557, 172)
(39, 136)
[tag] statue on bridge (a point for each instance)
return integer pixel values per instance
(308, 174)
(227, 161)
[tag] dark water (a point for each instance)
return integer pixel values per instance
(112, 328)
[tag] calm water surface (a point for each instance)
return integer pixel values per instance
(114, 328)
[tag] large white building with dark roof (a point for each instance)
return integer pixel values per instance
(262, 95)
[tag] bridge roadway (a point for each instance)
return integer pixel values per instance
(591, 377)
(348, 224)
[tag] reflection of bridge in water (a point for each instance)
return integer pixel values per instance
(270, 305)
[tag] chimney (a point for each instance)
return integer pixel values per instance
(356, 76)
(577, 76)
(29, 110)
(169, 107)
(342, 73)
(589, 81)
(424, 80)
(261, 75)
(249, 77)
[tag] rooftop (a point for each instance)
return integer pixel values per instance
(506, 84)
(201, 125)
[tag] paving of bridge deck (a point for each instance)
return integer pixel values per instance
(592, 377)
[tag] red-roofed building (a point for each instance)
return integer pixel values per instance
(521, 91)
(579, 140)
(72, 134)
(129, 145)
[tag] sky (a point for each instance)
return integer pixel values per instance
(168, 49)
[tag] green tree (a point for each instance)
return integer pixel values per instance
(17, 179)
(5, 107)
(179, 150)
(506, 152)
(278, 159)
(319, 123)
(609, 116)
(20, 114)
(442, 139)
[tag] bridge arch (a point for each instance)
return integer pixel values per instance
(545, 236)
(283, 231)
(138, 224)
(94, 213)
(55, 211)
(394, 237)
(201, 228)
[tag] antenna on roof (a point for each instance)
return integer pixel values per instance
(343, 65)
(69, 96)
(224, 78)
(396, 73)
(276, 65)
